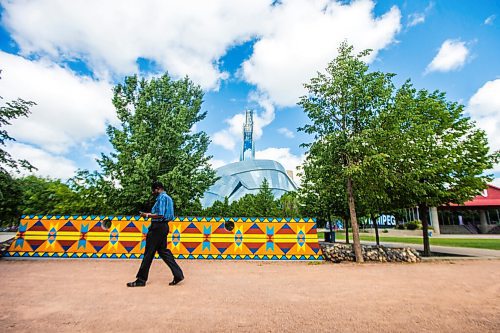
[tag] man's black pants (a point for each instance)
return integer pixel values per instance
(156, 241)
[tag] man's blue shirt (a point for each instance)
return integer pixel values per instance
(164, 206)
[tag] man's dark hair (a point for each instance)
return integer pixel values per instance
(157, 185)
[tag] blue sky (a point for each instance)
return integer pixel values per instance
(67, 55)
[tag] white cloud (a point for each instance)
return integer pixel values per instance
(284, 156)
(184, 37)
(484, 108)
(262, 119)
(294, 39)
(419, 18)
(451, 56)
(286, 132)
(217, 163)
(298, 39)
(496, 181)
(69, 110)
(415, 18)
(228, 137)
(48, 165)
(489, 20)
(224, 139)
(304, 36)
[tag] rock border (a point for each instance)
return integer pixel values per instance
(337, 253)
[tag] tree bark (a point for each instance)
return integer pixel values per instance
(330, 227)
(347, 231)
(425, 229)
(354, 222)
(375, 226)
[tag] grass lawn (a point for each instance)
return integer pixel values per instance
(491, 244)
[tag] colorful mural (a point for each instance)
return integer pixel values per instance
(189, 238)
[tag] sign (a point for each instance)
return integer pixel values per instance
(386, 221)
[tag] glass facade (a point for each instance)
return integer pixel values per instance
(468, 216)
(245, 177)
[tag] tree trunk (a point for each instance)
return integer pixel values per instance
(330, 227)
(347, 231)
(425, 229)
(375, 225)
(354, 222)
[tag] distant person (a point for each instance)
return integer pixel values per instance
(156, 239)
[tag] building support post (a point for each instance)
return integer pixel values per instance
(483, 226)
(435, 220)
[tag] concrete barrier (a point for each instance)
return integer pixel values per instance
(189, 238)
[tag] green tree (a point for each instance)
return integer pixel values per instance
(289, 205)
(342, 105)
(441, 155)
(219, 208)
(47, 196)
(10, 198)
(245, 206)
(10, 194)
(155, 142)
(12, 110)
(259, 204)
(93, 195)
(322, 193)
(264, 203)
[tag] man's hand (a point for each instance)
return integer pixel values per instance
(146, 215)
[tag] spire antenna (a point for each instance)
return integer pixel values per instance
(248, 143)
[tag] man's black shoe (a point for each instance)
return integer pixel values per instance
(175, 281)
(136, 283)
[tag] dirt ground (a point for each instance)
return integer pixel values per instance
(61, 295)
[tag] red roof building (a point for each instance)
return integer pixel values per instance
(489, 198)
(479, 215)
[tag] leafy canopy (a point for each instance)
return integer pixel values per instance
(155, 141)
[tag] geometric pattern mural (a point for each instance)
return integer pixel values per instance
(68, 236)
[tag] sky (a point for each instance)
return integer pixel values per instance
(249, 54)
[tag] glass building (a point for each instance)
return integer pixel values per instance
(246, 176)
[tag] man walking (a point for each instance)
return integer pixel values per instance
(156, 239)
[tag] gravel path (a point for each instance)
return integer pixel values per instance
(244, 296)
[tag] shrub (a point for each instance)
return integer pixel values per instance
(385, 231)
(400, 227)
(414, 225)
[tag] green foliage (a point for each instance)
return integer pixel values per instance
(382, 149)
(437, 154)
(93, 199)
(261, 204)
(12, 110)
(289, 205)
(219, 209)
(245, 206)
(413, 225)
(264, 203)
(10, 198)
(154, 142)
(46, 196)
(342, 105)
(10, 192)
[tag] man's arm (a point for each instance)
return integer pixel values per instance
(169, 213)
(160, 209)
(149, 215)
